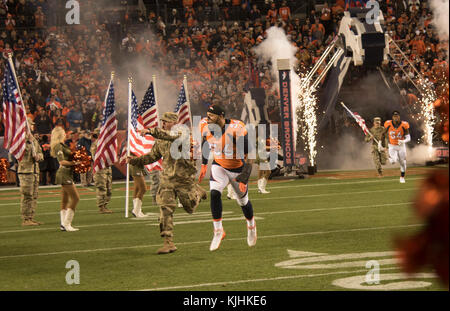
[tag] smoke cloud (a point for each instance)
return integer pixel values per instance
(341, 144)
(278, 46)
(440, 10)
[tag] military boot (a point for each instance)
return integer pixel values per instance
(105, 210)
(29, 222)
(168, 246)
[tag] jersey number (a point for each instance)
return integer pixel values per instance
(395, 135)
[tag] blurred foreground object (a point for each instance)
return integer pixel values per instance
(430, 246)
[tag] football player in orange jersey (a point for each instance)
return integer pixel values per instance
(228, 140)
(398, 133)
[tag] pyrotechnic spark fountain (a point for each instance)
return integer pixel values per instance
(427, 115)
(307, 117)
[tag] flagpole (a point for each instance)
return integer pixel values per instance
(187, 99)
(13, 70)
(156, 100)
(130, 81)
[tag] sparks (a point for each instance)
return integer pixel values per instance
(427, 115)
(307, 117)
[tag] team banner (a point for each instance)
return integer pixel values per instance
(286, 118)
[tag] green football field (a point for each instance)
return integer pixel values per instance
(320, 233)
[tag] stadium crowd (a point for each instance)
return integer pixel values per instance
(63, 70)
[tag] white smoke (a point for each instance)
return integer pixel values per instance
(278, 46)
(440, 10)
(353, 153)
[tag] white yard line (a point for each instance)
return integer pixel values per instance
(289, 277)
(334, 208)
(252, 199)
(329, 194)
(134, 221)
(253, 189)
(269, 187)
(206, 242)
(200, 214)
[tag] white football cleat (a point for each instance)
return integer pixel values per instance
(402, 180)
(251, 235)
(219, 235)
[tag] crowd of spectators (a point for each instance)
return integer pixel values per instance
(64, 70)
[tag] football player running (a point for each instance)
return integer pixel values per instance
(231, 165)
(398, 133)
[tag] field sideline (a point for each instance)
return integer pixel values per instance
(313, 234)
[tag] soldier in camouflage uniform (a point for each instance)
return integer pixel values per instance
(102, 181)
(154, 183)
(176, 178)
(378, 149)
(28, 172)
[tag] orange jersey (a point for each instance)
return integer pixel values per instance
(224, 147)
(396, 133)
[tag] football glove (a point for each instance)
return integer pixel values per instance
(244, 176)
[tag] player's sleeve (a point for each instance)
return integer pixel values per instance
(386, 124)
(243, 141)
(205, 150)
(405, 125)
(203, 127)
(242, 131)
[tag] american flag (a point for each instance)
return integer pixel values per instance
(123, 155)
(358, 119)
(182, 107)
(147, 109)
(106, 153)
(14, 116)
(361, 123)
(140, 145)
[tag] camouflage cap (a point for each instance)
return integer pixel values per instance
(169, 117)
(377, 119)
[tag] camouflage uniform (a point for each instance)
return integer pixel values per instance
(103, 184)
(137, 170)
(154, 183)
(379, 158)
(28, 172)
(177, 180)
(64, 175)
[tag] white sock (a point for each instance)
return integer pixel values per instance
(251, 222)
(217, 224)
